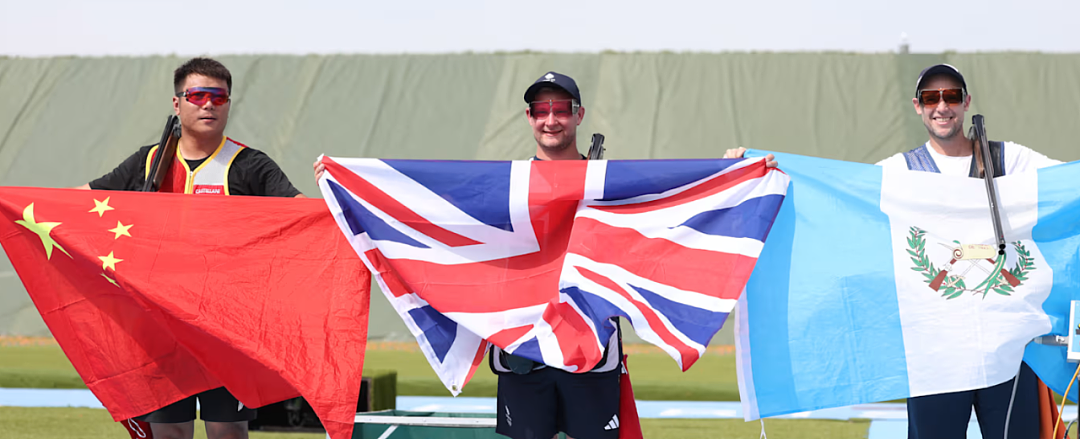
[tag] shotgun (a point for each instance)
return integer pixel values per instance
(166, 152)
(978, 125)
(596, 150)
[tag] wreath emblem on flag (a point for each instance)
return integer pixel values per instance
(952, 279)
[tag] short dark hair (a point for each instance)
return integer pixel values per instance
(201, 66)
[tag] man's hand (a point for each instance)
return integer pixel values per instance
(319, 169)
(737, 153)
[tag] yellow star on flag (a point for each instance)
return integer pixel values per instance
(109, 261)
(121, 230)
(101, 206)
(43, 231)
(110, 280)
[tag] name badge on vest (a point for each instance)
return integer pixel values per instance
(209, 189)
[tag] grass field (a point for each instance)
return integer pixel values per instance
(41, 364)
(655, 375)
(79, 423)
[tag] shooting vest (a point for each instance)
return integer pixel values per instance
(919, 159)
(210, 178)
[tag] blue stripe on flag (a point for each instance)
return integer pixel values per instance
(480, 189)
(1057, 233)
(830, 267)
(596, 309)
(531, 350)
(356, 215)
(697, 324)
(348, 206)
(750, 219)
(632, 178)
(439, 330)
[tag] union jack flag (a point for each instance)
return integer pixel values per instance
(537, 256)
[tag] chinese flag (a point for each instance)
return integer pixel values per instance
(155, 297)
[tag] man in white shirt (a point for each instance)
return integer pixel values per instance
(942, 99)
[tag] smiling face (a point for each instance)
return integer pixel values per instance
(555, 132)
(202, 121)
(943, 121)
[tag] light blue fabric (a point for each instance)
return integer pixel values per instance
(1058, 236)
(822, 316)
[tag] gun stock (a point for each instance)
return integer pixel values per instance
(596, 150)
(166, 152)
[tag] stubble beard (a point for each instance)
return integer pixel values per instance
(563, 145)
(950, 135)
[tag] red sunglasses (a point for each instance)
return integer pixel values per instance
(201, 95)
(562, 109)
(951, 96)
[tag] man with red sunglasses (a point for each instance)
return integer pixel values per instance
(942, 99)
(536, 401)
(206, 163)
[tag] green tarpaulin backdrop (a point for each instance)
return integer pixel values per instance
(65, 121)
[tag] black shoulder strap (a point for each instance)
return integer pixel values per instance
(997, 152)
(997, 157)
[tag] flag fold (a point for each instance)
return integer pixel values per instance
(880, 284)
(537, 256)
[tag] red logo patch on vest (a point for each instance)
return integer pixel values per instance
(209, 189)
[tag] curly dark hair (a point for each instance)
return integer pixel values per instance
(201, 66)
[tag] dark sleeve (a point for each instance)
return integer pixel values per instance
(128, 176)
(261, 176)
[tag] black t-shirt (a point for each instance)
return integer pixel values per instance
(251, 173)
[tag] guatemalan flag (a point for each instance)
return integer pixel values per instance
(536, 256)
(878, 284)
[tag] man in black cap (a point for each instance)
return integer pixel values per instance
(536, 401)
(554, 112)
(942, 99)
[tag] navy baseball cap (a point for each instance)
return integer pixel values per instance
(940, 69)
(554, 80)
